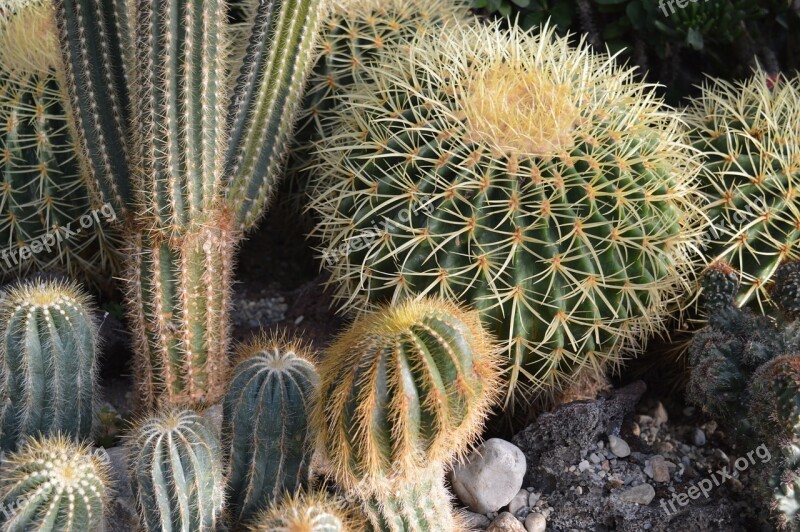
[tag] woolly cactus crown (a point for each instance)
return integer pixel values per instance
(539, 182)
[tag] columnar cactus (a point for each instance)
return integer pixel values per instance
(303, 513)
(176, 472)
(53, 484)
(48, 362)
(265, 422)
(538, 182)
(188, 156)
(749, 134)
(46, 218)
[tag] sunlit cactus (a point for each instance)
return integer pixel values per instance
(176, 473)
(536, 181)
(265, 424)
(403, 388)
(304, 513)
(186, 123)
(53, 485)
(48, 362)
(749, 133)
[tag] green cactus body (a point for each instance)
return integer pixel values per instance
(265, 421)
(195, 125)
(48, 362)
(749, 134)
(416, 380)
(536, 182)
(423, 504)
(53, 485)
(45, 190)
(303, 512)
(176, 473)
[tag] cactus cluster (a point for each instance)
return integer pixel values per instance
(45, 189)
(538, 182)
(53, 485)
(48, 362)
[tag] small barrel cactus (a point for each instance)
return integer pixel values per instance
(303, 513)
(404, 387)
(265, 422)
(775, 399)
(749, 134)
(53, 484)
(48, 362)
(176, 472)
(537, 182)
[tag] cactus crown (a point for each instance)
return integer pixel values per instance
(28, 39)
(719, 286)
(303, 512)
(62, 486)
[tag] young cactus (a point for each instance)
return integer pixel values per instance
(303, 512)
(538, 182)
(265, 423)
(45, 194)
(749, 133)
(176, 473)
(403, 388)
(188, 151)
(48, 362)
(53, 485)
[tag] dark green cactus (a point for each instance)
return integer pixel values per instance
(265, 422)
(48, 362)
(176, 473)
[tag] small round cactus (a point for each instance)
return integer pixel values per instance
(720, 286)
(537, 182)
(786, 291)
(749, 134)
(53, 484)
(48, 362)
(265, 422)
(775, 399)
(176, 472)
(303, 512)
(402, 388)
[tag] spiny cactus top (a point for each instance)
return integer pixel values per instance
(402, 388)
(48, 361)
(53, 484)
(749, 134)
(538, 182)
(304, 512)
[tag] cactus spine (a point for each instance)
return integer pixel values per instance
(303, 513)
(538, 182)
(187, 155)
(176, 472)
(265, 422)
(45, 189)
(53, 484)
(48, 362)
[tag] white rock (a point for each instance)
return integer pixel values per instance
(535, 522)
(473, 521)
(619, 446)
(584, 465)
(642, 494)
(660, 415)
(698, 437)
(519, 504)
(490, 477)
(506, 522)
(533, 499)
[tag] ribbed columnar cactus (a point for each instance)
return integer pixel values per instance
(48, 362)
(304, 512)
(536, 181)
(265, 422)
(53, 485)
(187, 154)
(749, 134)
(46, 216)
(403, 388)
(176, 473)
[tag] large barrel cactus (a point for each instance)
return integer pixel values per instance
(538, 182)
(265, 422)
(47, 219)
(176, 473)
(48, 362)
(749, 134)
(53, 485)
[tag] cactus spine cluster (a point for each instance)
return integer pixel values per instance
(53, 485)
(176, 472)
(48, 362)
(188, 152)
(303, 513)
(749, 134)
(265, 422)
(538, 182)
(45, 189)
